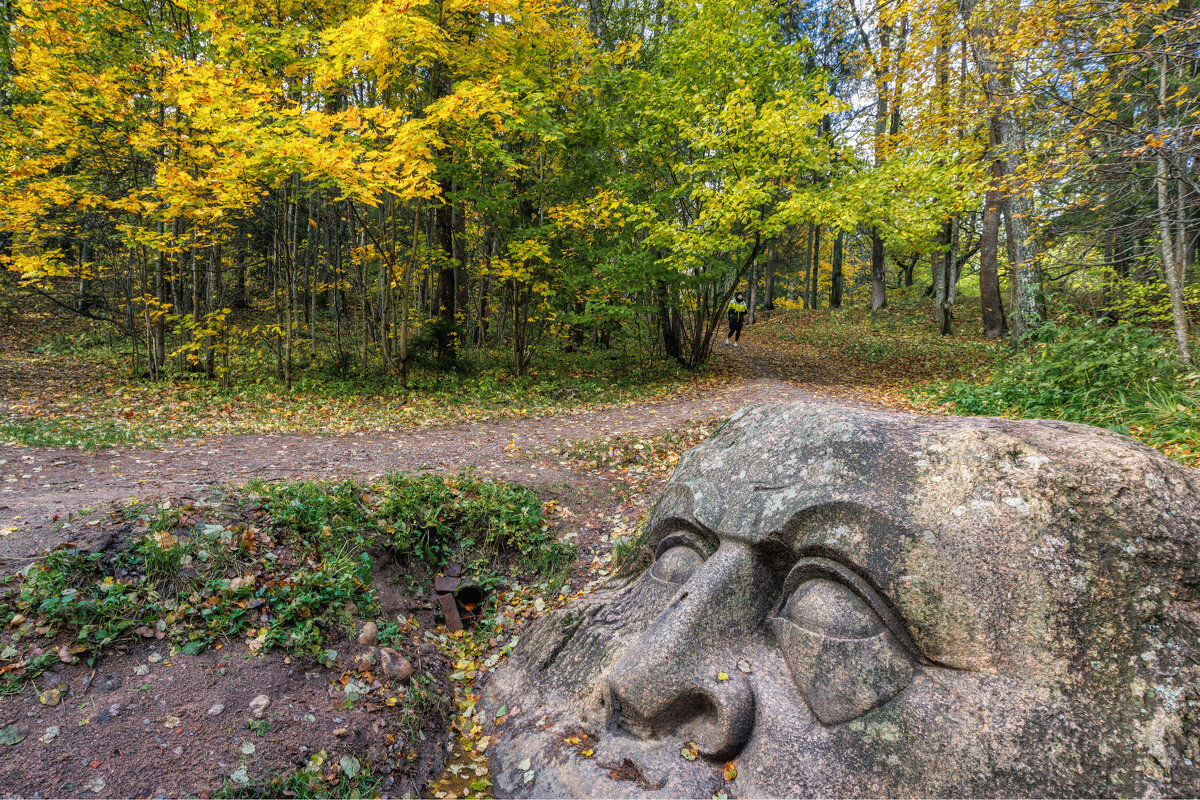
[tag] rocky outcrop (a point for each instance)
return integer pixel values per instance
(849, 603)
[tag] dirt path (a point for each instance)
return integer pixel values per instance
(40, 487)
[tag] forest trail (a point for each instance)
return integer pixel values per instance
(41, 487)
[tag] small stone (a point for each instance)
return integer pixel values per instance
(394, 665)
(369, 634)
(258, 706)
(216, 709)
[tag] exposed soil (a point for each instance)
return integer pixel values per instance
(180, 729)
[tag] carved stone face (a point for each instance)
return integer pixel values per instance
(852, 603)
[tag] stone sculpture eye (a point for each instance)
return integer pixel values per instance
(677, 559)
(842, 655)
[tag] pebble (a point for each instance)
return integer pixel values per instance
(395, 665)
(258, 706)
(369, 634)
(216, 709)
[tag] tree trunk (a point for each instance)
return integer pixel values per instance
(1028, 311)
(989, 246)
(753, 294)
(447, 352)
(769, 282)
(942, 280)
(814, 300)
(669, 323)
(1170, 267)
(878, 278)
(835, 288)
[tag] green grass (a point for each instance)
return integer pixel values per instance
(320, 778)
(431, 518)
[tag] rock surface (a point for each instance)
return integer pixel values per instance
(368, 634)
(395, 665)
(870, 604)
(258, 705)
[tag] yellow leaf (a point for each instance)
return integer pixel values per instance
(721, 676)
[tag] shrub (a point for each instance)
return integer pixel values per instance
(1123, 377)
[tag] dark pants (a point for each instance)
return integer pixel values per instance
(735, 331)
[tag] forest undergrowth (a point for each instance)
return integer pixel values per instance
(71, 387)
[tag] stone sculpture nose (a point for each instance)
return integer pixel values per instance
(670, 680)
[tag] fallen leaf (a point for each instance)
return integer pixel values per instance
(744, 665)
(730, 771)
(721, 676)
(49, 735)
(13, 734)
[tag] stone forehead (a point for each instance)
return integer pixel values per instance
(985, 533)
(769, 462)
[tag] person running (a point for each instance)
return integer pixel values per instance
(737, 313)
